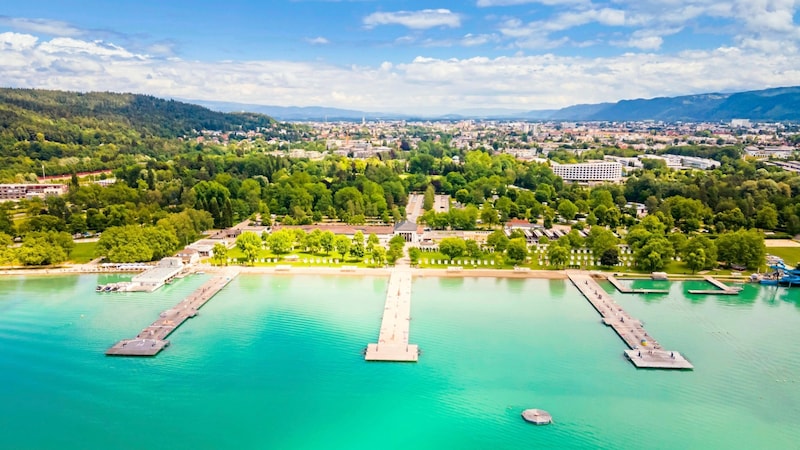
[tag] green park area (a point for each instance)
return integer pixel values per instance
(83, 252)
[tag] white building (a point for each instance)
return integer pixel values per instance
(782, 152)
(740, 123)
(157, 276)
(589, 171)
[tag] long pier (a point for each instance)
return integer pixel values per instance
(392, 342)
(626, 290)
(722, 288)
(645, 351)
(151, 340)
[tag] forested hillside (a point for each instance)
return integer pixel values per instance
(71, 131)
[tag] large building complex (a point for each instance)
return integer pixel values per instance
(28, 191)
(589, 171)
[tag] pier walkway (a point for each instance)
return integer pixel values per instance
(722, 288)
(152, 339)
(393, 338)
(645, 352)
(626, 290)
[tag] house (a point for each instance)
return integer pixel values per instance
(408, 230)
(189, 255)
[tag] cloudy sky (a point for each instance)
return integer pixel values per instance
(402, 56)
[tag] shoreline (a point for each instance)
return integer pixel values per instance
(366, 271)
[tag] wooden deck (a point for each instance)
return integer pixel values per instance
(392, 342)
(626, 290)
(151, 340)
(722, 288)
(645, 351)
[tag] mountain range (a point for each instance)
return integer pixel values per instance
(776, 104)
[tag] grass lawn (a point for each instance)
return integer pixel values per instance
(83, 252)
(790, 255)
(237, 254)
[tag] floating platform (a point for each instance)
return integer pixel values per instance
(722, 288)
(537, 416)
(645, 351)
(392, 342)
(626, 290)
(151, 340)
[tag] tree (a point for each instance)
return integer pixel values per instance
(280, 241)
(312, 241)
(250, 244)
(472, 249)
(326, 241)
(695, 260)
(654, 254)
(567, 209)
(497, 240)
(517, 250)
(372, 242)
(767, 218)
(557, 254)
(699, 246)
(601, 239)
(452, 247)
(743, 247)
(413, 255)
(357, 249)
(489, 214)
(342, 245)
(428, 198)
(219, 254)
(379, 255)
(609, 257)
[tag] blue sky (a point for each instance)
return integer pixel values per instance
(404, 56)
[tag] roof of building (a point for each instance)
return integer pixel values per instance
(406, 226)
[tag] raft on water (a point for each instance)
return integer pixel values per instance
(537, 416)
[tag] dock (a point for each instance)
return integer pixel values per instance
(392, 342)
(151, 340)
(644, 351)
(626, 290)
(722, 288)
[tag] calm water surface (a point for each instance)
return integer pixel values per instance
(275, 362)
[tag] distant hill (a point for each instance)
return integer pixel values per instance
(68, 116)
(297, 113)
(777, 104)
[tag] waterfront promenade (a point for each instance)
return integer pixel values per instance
(392, 342)
(645, 351)
(151, 340)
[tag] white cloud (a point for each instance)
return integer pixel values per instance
(490, 3)
(17, 41)
(43, 26)
(96, 48)
(418, 20)
(319, 40)
(440, 85)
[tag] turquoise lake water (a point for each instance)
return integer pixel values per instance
(276, 363)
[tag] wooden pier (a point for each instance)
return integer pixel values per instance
(722, 288)
(392, 342)
(645, 352)
(626, 290)
(151, 340)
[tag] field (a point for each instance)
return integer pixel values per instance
(83, 252)
(790, 255)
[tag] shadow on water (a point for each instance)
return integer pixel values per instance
(558, 288)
